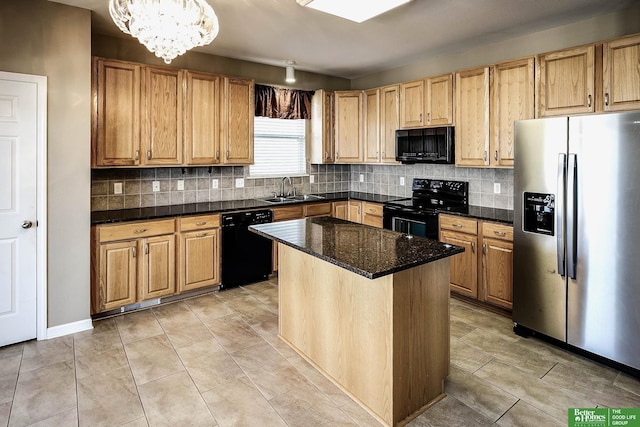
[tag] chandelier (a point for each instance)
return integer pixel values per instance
(167, 28)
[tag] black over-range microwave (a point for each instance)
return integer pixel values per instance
(426, 145)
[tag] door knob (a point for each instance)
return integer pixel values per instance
(27, 224)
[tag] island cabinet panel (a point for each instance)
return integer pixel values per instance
(162, 106)
(472, 117)
(237, 121)
(621, 74)
(116, 113)
(349, 127)
(202, 119)
(384, 341)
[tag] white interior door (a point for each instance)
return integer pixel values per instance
(19, 128)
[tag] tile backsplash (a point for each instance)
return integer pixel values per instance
(137, 184)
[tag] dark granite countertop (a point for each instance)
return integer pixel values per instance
(368, 251)
(487, 214)
(136, 214)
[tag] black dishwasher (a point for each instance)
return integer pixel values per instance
(246, 256)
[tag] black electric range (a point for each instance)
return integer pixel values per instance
(418, 215)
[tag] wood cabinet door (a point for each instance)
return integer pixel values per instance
(412, 104)
(202, 119)
(472, 117)
(464, 266)
(116, 115)
(117, 274)
(497, 264)
(621, 74)
(372, 126)
(512, 98)
(355, 211)
(439, 100)
(322, 130)
(163, 114)
(157, 267)
(199, 259)
(237, 121)
(339, 210)
(348, 127)
(389, 122)
(565, 82)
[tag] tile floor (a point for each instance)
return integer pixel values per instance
(216, 360)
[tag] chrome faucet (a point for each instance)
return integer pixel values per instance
(282, 194)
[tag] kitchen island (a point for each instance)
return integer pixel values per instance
(367, 307)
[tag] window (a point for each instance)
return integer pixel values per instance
(279, 148)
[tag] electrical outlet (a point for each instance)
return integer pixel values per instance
(214, 183)
(312, 179)
(361, 177)
(117, 188)
(180, 184)
(402, 180)
(239, 182)
(156, 186)
(496, 187)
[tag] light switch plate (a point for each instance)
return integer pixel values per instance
(156, 186)
(402, 180)
(117, 188)
(180, 184)
(496, 187)
(312, 179)
(361, 177)
(239, 182)
(214, 183)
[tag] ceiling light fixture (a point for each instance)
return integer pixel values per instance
(167, 28)
(290, 73)
(357, 11)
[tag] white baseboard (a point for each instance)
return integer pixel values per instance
(69, 328)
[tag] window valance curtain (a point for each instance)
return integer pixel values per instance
(281, 103)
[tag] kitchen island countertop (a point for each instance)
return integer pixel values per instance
(368, 251)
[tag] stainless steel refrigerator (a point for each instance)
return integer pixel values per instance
(577, 232)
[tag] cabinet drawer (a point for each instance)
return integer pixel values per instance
(372, 208)
(288, 212)
(317, 209)
(456, 223)
(199, 222)
(497, 231)
(134, 230)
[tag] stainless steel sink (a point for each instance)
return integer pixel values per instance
(291, 199)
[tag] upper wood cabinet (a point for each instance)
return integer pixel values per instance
(237, 121)
(621, 74)
(202, 119)
(116, 113)
(439, 100)
(372, 126)
(512, 98)
(472, 117)
(412, 104)
(565, 82)
(348, 127)
(389, 122)
(162, 97)
(322, 127)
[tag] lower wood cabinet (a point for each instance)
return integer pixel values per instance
(132, 262)
(340, 210)
(484, 271)
(359, 211)
(372, 214)
(199, 252)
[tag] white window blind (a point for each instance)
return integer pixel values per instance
(279, 147)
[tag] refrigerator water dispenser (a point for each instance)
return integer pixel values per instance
(539, 213)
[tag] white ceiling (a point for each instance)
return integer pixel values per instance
(272, 31)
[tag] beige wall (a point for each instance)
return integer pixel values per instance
(588, 31)
(43, 38)
(130, 50)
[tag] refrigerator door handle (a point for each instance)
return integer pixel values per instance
(572, 223)
(562, 179)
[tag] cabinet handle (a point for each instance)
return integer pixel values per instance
(137, 156)
(217, 154)
(148, 154)
(484, 248)
(428, 117)
(606, 99)
(484, 156)
(589, 101)
(420, 117)
(500, 233)
(134, 251)
(337, 155)
(201, 235)
(457, 225)
(201, 222)
(473, 247)
(326, 154)
(227, 154)
(146, 249)
(495, 156)
(140, 230)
